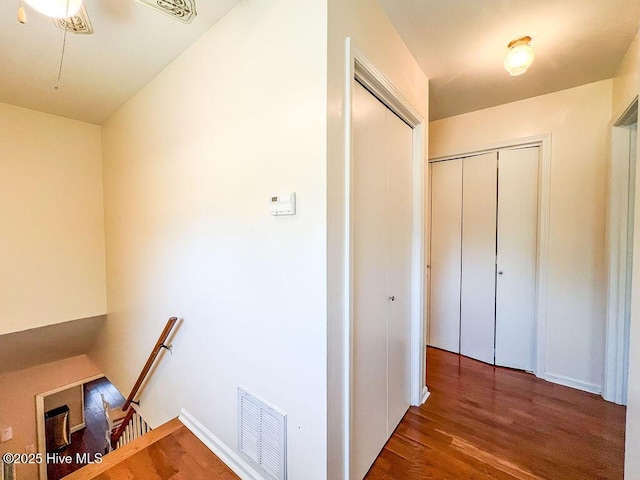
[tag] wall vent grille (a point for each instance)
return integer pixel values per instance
(262, 431)
(7, 471)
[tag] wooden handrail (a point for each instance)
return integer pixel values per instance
(115, 436)
(156, 350)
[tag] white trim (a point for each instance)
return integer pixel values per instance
(425, 395)
(621, 185)
(228, 456)
(490, 147)
(542, 263)
(360, 68)
(40, 434)
(348, 271)
(573, 383)
(78, 427)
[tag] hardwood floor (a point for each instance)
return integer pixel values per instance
(483, 422)
(170, 451)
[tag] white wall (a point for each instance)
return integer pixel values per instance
(578, 121)
(365, 22)
(190, 164)
(17, 401)
(51, 219)
(626, 87)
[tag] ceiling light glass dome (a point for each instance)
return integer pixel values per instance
(520, 56)
(56, 8)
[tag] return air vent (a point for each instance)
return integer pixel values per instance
(183, 10)
(7, 471)
(262, 432)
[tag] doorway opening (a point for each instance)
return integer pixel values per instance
(485, 229)
(72, 426)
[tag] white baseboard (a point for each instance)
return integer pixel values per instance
(425, 394)
(223, 452)
(78, 427)
(573, 383)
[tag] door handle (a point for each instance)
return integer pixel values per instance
(500, 272)
(392, 298)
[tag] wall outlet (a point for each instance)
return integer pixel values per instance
(6, 434)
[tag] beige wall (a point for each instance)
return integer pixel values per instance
(577, 120)
(366, 24)
(626, 79)
(626, 86)
(51, 219)
(190, 164)
(17, 401)
(73, 398)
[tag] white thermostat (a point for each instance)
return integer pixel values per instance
(283, 204)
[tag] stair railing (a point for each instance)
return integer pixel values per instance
(152, 358)
(118, 432)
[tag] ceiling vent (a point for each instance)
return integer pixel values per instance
(78, 23)
(262, 432)
(183, 10)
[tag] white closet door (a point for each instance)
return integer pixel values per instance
(446, 222)
(399, 208)
(477, 304)
(516, 262)
(369, 230)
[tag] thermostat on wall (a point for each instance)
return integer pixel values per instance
(283, 204)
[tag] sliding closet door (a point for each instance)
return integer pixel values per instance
(477, 304)
(399, 208)
(369, 211)
(516, 261)
(446, 237)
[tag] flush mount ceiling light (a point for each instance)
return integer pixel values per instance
(56, 8)
(520, 56)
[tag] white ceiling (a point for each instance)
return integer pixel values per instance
(461, 44)
(132, 43)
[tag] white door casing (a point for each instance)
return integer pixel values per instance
(620, 234)
(359, 68)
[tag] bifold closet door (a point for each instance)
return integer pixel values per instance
(399, 225)
(477, 296)
(445, 262)
(369, 230)
(381, 258)
(516, 261)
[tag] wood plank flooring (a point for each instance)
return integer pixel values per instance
(169, 452)
(483, 422)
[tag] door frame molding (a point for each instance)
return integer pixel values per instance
(40, 430)
(542, 256)
(620, 178)
(360, 68)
